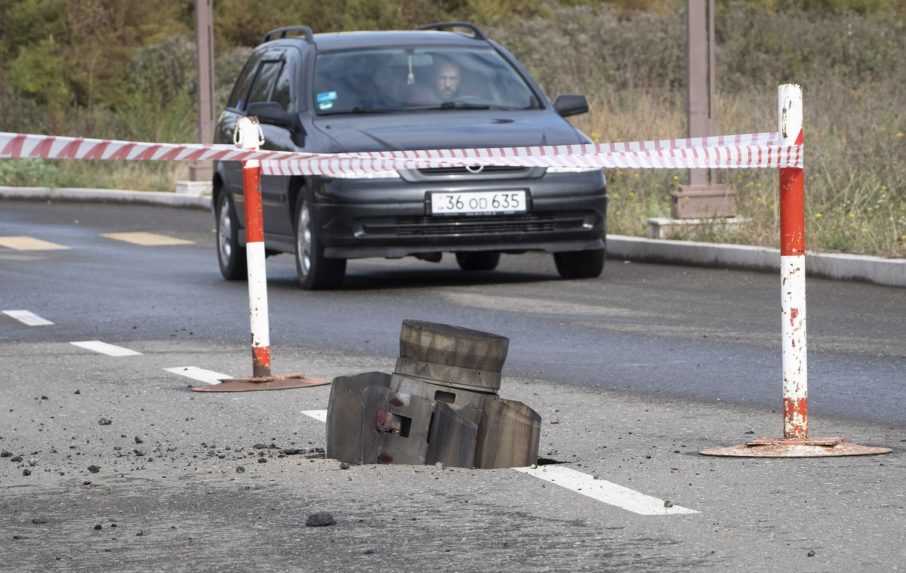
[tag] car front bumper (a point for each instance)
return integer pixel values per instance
(392, 218)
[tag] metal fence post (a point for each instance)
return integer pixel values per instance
(249, 138)
(795, 442)
(792, 270)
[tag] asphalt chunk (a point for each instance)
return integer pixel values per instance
(320, 519)
(94, 469)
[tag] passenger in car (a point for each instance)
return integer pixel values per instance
(389, 86)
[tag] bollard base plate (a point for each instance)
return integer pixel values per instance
(286, 382)
(794, 448)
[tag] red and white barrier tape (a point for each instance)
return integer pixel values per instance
(31, 146)
(758, 150)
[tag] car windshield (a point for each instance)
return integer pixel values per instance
(417, 79)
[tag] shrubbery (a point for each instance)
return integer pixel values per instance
(851, 67)
(125, 68)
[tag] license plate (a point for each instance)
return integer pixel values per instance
(478, 203)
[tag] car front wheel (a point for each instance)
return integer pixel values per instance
(580, 264)
(313, 269)
(230, 254)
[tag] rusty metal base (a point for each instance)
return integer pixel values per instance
(784, 448)
(286, 382)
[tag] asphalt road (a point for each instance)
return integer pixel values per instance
(633, 373)
(679, 331)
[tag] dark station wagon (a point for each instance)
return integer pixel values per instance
(443, 86)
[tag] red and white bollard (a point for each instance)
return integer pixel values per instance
(792, 270)
(248, 136)
(795, 442)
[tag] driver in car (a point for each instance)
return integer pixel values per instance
(445, 85)
(447, 80)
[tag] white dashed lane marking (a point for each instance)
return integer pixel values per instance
(23, 243)
(319, 415)
(200, 374)
(147, 239)
(104, 348)
(27, 318)
(605, 491)
(584, 484)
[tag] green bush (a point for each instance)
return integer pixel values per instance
(851, 67)
(126, 69)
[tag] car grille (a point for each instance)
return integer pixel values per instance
(470, 226)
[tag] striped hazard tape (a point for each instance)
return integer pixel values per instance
(757, 150)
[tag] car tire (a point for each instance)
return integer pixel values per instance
(580, 264)
(230, 254)
(314, 270)
(481, 261)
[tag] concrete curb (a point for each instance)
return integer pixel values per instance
(888, 272)
(106, 196)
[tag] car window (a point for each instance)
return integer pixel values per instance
(241, 88)
(264, 81)
(413, 79)
(281, 93)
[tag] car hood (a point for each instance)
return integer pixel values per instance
(448, 129)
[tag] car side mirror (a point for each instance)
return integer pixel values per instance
(272, 113)
(567, 105)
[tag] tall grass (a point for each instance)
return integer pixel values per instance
(852, 69)
(631, 65)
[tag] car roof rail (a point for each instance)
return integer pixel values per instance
(440, 26)
(284, 31)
